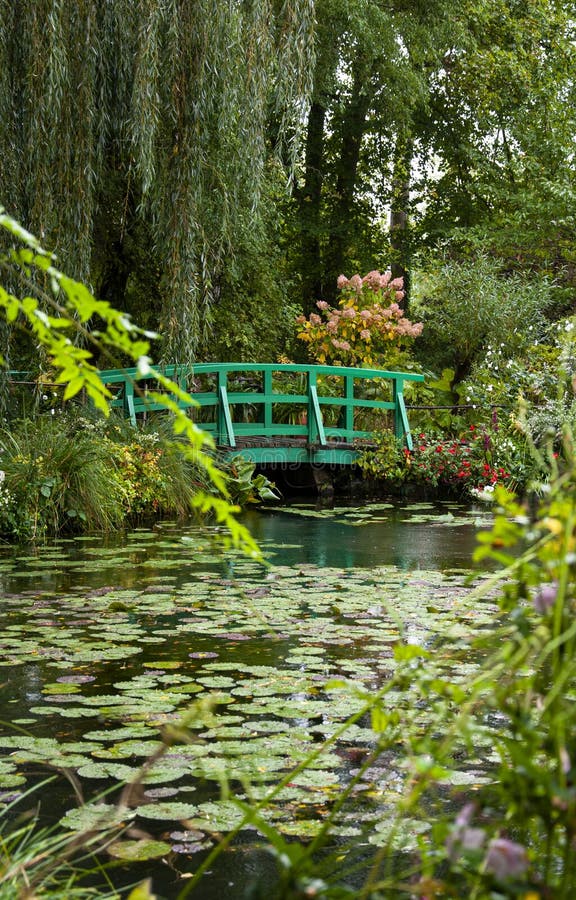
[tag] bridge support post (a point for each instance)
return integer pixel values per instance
(401, 424)
(315, 421)
(224, 425)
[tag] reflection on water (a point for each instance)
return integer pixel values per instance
(394, 536)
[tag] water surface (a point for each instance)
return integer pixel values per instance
(108, 643)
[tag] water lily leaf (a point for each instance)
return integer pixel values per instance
(213, 816)
(302, 828)
(138, 851)
(96, 817)
(59, 689)
(10, 781)
(75, 679)
(117, 734)
(168, 811)
(163, 664)
(108, 770)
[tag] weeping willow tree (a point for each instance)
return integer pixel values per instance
(164, 107)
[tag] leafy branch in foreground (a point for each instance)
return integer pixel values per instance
(56, 305)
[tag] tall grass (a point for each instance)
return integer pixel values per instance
(58, 478)
(70, 472)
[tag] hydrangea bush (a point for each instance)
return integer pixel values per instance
(367, 329)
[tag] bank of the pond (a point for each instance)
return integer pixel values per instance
(110, 644)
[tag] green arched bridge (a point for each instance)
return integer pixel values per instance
(280, 413)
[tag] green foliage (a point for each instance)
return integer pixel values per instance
(468, 305)
(56, 479)
(528, 684)
(43, 862)
(244, 486)
(72, 306)
(69, 473)
(536, 384)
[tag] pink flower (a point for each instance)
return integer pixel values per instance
(385, 279)
(315, 319)
(397, 284)
(463, 837)
(342, 282)
(349, 313)
(372, 280)
(546, 597)
(332, 325)
(365, 313)
(506, 859)
(399, 295)
(321, 304)
(356, 283)
(365, 334)
(344, 345)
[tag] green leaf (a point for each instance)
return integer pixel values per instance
(406, 652)
(142, 891)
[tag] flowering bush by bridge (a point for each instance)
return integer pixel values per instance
(368, 327)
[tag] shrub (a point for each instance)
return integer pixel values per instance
(467, 464)
(56, 480)
(368, 328)
(468, 305)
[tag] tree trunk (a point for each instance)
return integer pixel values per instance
(399, 234)
(310, 209)
(342, 228)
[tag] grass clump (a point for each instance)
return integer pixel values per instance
(69, 473)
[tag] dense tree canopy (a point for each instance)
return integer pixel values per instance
(152, 144)
(435, 118)
(139, 131)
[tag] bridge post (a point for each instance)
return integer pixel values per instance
(224, 427)
(315, 421)
(129, 408)
(268, 395)
(401, 424)
(349, 409)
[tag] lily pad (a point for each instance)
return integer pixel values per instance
(96, 817)
(138, 851)
(167, 811)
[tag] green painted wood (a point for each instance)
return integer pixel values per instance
(268, 393)
(243, 406)
(316, 412)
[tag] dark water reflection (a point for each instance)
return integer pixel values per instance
(395, 536)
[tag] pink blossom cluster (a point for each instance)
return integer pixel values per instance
(366, 328)
(388, 321)
(373, 281)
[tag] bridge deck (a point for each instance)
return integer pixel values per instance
(275, 413)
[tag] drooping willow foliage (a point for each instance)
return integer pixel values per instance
(172, 102)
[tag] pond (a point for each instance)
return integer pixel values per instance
(226, 674)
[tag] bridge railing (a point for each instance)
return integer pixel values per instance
(239, 401)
